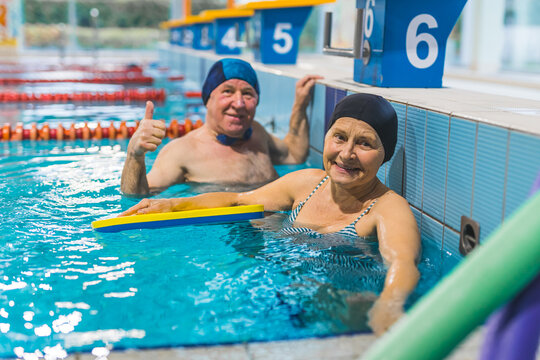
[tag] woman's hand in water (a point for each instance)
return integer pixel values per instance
(383, 314)
(148, 206)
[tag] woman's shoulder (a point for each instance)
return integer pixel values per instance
(307, 175)
(391, 202)
(390, 197)
(302, 180)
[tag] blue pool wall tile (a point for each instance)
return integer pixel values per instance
(183, 63)
(263, 113)
(276, 99)
(451, 256)
(435, 164)
(381, 174)
(459, 182)
(203, 70)
(417, 216)
(192, 63)
(431, 230)
(179, 62)
(206, 67)
(451, 241)
(282, 99)
(315, 159)
(333, 96)
(523, 168)
(489, 178)
(414, 155)
(316, 117)
(394, 167)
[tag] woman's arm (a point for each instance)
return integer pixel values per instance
(277, 195)
(399, 244)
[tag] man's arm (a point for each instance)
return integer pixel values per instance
(148, 137)
(294, 148)
(277, 195)
(168, 168)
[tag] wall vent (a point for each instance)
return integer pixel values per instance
(469, 237)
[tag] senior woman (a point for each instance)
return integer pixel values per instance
(345, 198)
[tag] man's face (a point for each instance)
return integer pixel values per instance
(231, 107)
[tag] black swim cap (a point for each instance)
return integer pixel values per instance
(374, 110)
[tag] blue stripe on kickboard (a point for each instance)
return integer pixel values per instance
(181, 222)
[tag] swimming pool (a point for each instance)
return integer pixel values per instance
(64, 284)
(64, 287)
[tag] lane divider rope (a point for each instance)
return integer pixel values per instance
(121, 95)
(85, 132)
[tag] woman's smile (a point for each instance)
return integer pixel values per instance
(348, 169)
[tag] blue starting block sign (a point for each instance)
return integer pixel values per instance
(229, 26)
(277, 26)
(176, 35)
(203, 35)
(175, 31)
(193, 31)
(402, 43)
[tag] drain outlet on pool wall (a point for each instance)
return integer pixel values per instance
(469, 237)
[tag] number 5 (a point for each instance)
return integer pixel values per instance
(281, 34)
(413, 39)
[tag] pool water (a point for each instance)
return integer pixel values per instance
(66, 288)
(174, 107)
(64, 285)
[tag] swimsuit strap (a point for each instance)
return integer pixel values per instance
(294, 213)
(364, 212)
(316, 188)
(350, 230)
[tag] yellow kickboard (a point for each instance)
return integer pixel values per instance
(188, 217)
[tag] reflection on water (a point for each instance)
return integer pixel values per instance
(65, 288)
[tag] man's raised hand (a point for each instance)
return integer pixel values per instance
(149, 134)
(303, 89)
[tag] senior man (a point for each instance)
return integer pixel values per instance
(230, 147)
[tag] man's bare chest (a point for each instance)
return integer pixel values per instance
(246, 166)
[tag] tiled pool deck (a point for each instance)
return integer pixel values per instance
(347, 347)
(334, 348)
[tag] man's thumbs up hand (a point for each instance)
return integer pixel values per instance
(149, 134)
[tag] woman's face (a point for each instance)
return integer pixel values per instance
(353, 152)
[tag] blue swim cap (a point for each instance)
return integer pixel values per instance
(226, 69)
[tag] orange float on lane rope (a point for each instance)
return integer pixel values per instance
(17, 135)
(34, 133)
(44, 134)
(6, 132)
(188, 125)
(112, 131)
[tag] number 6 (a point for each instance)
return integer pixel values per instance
(368, 28)
(413, 39)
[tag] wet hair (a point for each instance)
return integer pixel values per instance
(226, 69)
(373, 110)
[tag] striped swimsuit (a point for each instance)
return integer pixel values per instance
(289, 229)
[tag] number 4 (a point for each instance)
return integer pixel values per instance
(229, 39)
